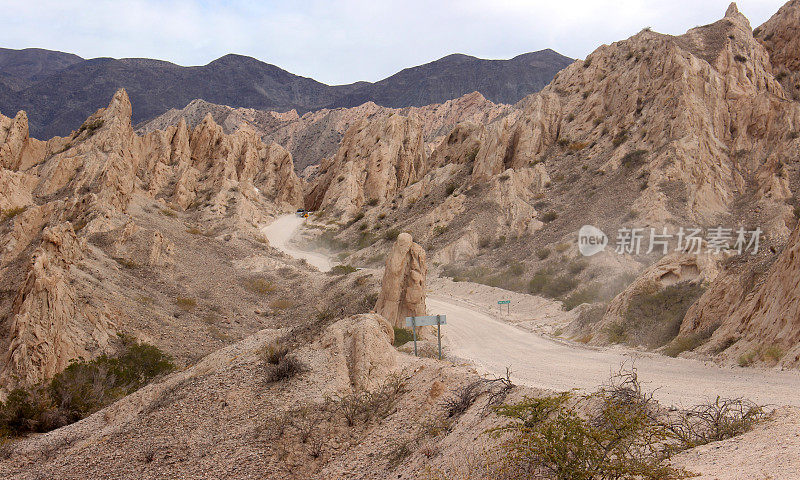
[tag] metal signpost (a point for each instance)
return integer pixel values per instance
(505, 302)
(427, 321)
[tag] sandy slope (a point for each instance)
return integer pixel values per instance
(536, 361)
(280, 233)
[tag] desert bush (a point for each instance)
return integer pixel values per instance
(372, 202)
(611, 434)
(682, 344)
(127, 263)
(451, 188)
(11, 212)
(343, 269)
(714, 421)
(542, 253)
(187, 304)
(585, 295)
(577, 146)
(549, 216)
(462, 399)
(620, 138)
(559, 286)
(539, 280)
(362, 406)
(82, 388)
(391, 234)
(471, 155)
(616, 332)
(654, 315)
(402, 336)
(259, 285)
(286, 367)
(634, 158)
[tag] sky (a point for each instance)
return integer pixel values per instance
(345, 41)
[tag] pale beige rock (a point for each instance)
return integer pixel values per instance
(752, 313)
(403, 286)
(360, 348)
(50, 326)
(376, 160)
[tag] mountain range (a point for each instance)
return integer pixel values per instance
(58, 90)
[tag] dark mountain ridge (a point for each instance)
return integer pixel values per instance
(59, 90)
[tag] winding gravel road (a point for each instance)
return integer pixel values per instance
(536, 361)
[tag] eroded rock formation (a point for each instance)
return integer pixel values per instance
(403, 286)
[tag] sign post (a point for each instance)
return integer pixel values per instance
(427, 320)
(504, 302)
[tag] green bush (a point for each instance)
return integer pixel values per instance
(402, 336)
(343, 269)
(585, 295)
(539, 280)
(391, 234)
(82, 388)
(613, 434)
(634, 158)
(654, 316)
(542, 253)
(549, 216)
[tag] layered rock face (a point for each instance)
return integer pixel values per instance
(781, 37)
(377, 159)
(57, 194)
(749, 313)
(318, 134)
(403, 286)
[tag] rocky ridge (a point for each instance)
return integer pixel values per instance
(62, 192)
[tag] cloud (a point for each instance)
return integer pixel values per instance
(347, 40)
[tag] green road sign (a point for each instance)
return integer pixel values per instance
(503, 302)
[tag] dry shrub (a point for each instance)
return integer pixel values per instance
(259, 285)
(718, 420)
(611, 434)
(186, 304)
(279, 364)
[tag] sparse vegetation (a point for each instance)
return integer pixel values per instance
(259, 285)
(187, 304)
(391, 234)
(343, 269)
(402, 336)
(542, 253)
(587, 294)
(10, 213)
(82, 388)
(634, 159)
(611, 434)
(279, 364)
(549, 216)
(654, 315)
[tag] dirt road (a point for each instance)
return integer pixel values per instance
(492, 345)
(280, 233)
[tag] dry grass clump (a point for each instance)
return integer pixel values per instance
(281, 304)
(11, 212)
(187, 304)
(279, 363)
(259, 285)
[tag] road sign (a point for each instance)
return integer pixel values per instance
(426, 321)
(504, 302)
